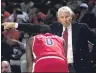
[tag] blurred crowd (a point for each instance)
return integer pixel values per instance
(13, 43)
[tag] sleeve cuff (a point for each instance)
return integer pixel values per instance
(16, 25)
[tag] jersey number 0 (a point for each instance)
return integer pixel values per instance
(49, 41)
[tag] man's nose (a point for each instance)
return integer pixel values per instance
(64, 19)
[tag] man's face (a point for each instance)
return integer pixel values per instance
(4, 68)
(65, 18)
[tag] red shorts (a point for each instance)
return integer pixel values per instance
(51, 64)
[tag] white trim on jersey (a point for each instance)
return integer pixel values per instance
(49, 57)
(33, 67)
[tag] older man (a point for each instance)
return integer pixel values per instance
(5, 67)
(77, 36)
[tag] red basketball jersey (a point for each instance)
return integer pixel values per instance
(47, 45)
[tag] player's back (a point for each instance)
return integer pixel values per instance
(47, 45)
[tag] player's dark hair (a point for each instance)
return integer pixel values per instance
(45, 29)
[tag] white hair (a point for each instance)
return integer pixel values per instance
(65, 9)
(9, 67)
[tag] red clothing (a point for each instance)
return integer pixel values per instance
(50, 65)
(48, 53)
(13, 34)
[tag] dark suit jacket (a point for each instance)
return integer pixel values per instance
(80, 35)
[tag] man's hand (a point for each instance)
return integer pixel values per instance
(16, 41)
(8, 25)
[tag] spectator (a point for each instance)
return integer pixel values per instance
(26, 5)
(19, 16)
(36, 16)
(76, 15)
(5, 67)
(5, 13)
(51, 16)
(83, 10)
(90, 19)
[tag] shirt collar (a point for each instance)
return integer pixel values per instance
(69, 27)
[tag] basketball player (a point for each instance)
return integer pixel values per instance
(45, 53)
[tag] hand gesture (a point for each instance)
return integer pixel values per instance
(8, 25)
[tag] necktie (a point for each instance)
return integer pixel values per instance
(65, 36)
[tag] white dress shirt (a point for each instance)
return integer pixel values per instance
(69, 50)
